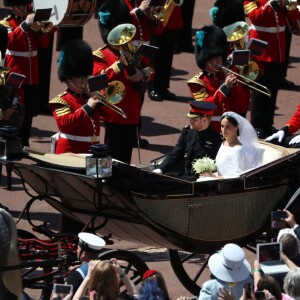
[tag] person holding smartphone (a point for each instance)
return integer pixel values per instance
(102, 281)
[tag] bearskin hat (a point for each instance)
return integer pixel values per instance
(16, 2)
(210, 42)
(226, 12)
(75, 60)
(112, 13)
(3, 40)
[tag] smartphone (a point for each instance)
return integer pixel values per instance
(277, 215)
(63, 289)
(247, 287)
(260, 295)
(276, 219)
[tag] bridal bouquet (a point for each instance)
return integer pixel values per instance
(204, 165)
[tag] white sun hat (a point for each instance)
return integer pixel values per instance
(229, 264)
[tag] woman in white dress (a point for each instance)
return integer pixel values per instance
(239, 152)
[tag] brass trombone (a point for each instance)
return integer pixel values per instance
(248, 82)
(114, 94)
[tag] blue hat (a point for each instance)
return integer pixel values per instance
(201, 108)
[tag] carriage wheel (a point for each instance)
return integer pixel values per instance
(182, 266)
(133, 265)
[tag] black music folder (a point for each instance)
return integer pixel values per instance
(257, 46)
(42, 14)
(97, 83)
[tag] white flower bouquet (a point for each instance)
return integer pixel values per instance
(204, 165)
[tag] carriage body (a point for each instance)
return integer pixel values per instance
(161, 210)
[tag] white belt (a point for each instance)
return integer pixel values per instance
(268, 29)
(88, 139)
(216, 118)
(23, 54)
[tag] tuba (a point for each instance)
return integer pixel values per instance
(236, 34)
(121, 37)
(163, 13)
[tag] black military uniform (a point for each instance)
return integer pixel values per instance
(193, 144)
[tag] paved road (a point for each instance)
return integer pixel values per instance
(162, 122)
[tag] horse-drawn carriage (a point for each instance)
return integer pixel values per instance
(137, 205)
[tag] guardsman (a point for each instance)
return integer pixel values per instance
(121, 134)
(212, 84)
(21, 55)
(76, 111)
(286, 135)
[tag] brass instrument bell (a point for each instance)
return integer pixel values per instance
(236, 34)
(121, 36)
(42, 26)
(163, 13)
(114, 94)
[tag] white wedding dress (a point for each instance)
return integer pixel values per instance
(231, 161)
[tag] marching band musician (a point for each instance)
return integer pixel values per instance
(145, 25)
(21, 55)
(211, 84)
(268, 21)
(11, 99)
(76, 111)
(158, 89)
(285, 135)
(120, 133)
(142, 20)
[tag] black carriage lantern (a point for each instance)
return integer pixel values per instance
(99, 164)
(10, 143)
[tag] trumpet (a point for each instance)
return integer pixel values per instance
(114, 94)
(248, 82)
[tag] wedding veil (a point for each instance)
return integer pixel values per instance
(247, 134)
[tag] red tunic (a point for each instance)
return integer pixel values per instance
(268, 25)
(72, 119)
(206, 87)
(144, 26)
(22, 46)
(294, 122)
(105, 61)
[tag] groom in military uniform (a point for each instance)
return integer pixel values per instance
(196, 140)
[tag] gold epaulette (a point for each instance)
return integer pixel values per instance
(5, 23)
(201, 93)
(248, 8)
(99, 54)
(59, 100)
(196, 79)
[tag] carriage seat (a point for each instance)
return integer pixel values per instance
(271, 152)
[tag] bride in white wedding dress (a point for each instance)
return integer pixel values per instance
(239, 152)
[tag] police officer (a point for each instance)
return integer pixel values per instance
(89, 247)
